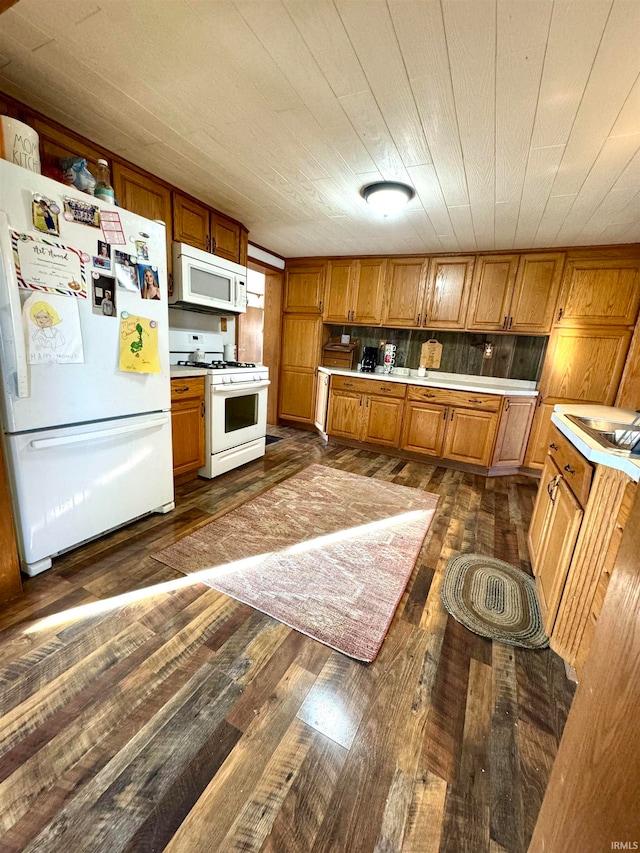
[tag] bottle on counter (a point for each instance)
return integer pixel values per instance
(103, 189)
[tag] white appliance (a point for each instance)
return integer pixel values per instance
(205, 282)
(88, 446)
(235, 401)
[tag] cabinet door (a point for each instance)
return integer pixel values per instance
(493, 283)
(538, 445)
(304, 288)
(187, 425)
(585, 364)
(337, 302)
(225, 237)
(405, 283)
(382, 420)
(368, 291)
(513, 432)
(535, 293)
(469, 436)
(300, 355)
(602, 292)
(541, 511)
(423, 428)
(144, 196)
(447, 292)
(190, 222)
(345, 414)
(556, 551)
(322, 401)
(10, 584)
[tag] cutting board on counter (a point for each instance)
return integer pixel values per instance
(431, 354)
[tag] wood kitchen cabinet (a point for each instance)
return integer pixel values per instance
(142, 194)
(513, 433)
(354, 291)
(450, 424)
(447, 292)
(198, 225)
(516, 293)
(585, 363)
(405, 284)
(366, 410)
(302, 339)
(187, 425)
(601, 291)
(10, 583)
(493, 281)
(304, 288)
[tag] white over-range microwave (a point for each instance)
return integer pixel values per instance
(205, 282)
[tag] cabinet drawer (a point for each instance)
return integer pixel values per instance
(183, 389)
(460, 399)
(369, 386)
(577, 471)
(344, 361)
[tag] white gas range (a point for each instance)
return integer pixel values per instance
(235, 400)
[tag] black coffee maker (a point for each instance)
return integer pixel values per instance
(369, 359)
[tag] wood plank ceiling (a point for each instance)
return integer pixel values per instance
(517, 121)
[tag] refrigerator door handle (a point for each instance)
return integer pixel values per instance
(11, 298)
(42, 443)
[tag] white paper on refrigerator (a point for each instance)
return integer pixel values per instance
(52, 329)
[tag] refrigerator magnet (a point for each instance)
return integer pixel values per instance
(103, 296)
(44, 215)
(82, 212)
(142, 250)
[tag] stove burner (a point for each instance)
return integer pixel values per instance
(239, 364)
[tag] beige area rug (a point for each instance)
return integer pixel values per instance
(326, 552)
(494, 599)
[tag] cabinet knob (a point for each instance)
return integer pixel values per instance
(553, 446)
(504, 323)
(474, 400)
(429, 395)
(418, 320)
(180, 390)
(560, 313)
(569, 469)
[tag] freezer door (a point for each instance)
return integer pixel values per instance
(49, 395)
(73, 484)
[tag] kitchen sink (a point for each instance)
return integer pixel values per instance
(620, 438)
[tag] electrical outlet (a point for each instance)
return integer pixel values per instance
(223, 324)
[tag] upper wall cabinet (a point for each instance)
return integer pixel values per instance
(190, 222)
(304, 288)
(447, 292)
(602, 292)
(515, 293)
(535, 293)
(355, 290)
(405, 284)
(140, 194)
(493, 283)
(196, 224)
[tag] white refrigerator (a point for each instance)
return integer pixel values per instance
(87, 437)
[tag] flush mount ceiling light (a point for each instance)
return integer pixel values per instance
(387, 197)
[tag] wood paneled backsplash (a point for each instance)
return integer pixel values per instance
(514, 356)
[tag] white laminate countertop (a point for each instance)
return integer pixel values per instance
(179, 372)
(587, 445)
(452, 381)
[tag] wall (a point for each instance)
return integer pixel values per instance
(194, 321)
(514, 356)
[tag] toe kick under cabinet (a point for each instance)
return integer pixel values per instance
(575, 531)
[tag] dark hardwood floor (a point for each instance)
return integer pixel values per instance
(142, 711)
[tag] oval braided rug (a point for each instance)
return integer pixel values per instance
(494, 599)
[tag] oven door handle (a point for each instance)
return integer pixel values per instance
(240, 386)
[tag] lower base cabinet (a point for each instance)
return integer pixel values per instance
(187, 426)
(463, 435)
(365, 417)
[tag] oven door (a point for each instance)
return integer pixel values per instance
(238, 414)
